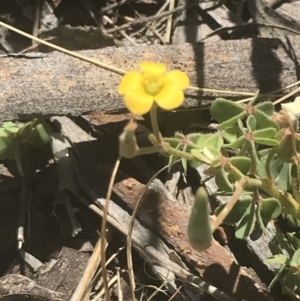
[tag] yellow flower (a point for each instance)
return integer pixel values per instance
(153, 84)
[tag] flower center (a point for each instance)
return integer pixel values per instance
(152, 84)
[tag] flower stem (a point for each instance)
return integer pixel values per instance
(154, 123)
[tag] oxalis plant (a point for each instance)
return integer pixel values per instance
(254, 157)
(16, 140)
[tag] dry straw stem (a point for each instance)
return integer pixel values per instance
(103, 228)
(238, 191)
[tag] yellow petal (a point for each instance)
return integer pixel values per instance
(130, 81)
(169, 98)
(138, 102)
(177, 78)
(153, 69)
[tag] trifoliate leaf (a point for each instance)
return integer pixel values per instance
(270, 209)
(241, 163)
(223, 109)
(221, 178)
(266, 107)
(295, 262)
(237, 212)
(265, 133)
(251, 123)
(246, 225)
(277, 259)
(230, 134)
(237, 143)
(264, 121)
(266, 141)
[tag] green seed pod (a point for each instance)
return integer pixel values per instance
(128, 147)
(285, 149)
(199, 226)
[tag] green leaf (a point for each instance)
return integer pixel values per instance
(259, 219)
(230, 134)
(251, 123)
(231, 122)
(247, 224)
(194, 137)
(198, 154)
(291, 279)
(264, 121)
(213, 140)
(266, 141)
(223, 109)
(237, 143)
(237, 212)
(270, 209)
(292, 221)
(265, 133)
(221, 179)
(266, 107)
(37, 135)
(7, 147)
(11, 127)
(295, 261)
(295, 242)
(199, 225)
(277, 259)
(284, 181)
(194, 164)
(241, 163)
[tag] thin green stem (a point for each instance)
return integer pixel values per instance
(178, 153)
(149, 150)
(288, 203)
(154, 123)
(268, 161)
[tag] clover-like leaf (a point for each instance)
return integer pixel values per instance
(266, 141)
(230, 134)
(221, 178)
(251, 123)
(291, 279)
(37, 135)
(198, 154)
(237, 143)
(11, 127)
(213, 140)
(264, 121)
(292, 221)
(265, 133)
(194, 137)
(284, 180)
(293, 240)
(223, 109)
(277, 259)
(266, 107)
(270, 209)
(243, 164)
(247, 224)
(199, 225)
(237, 212)
(295, 261)
(231, 122)
(6, 147)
